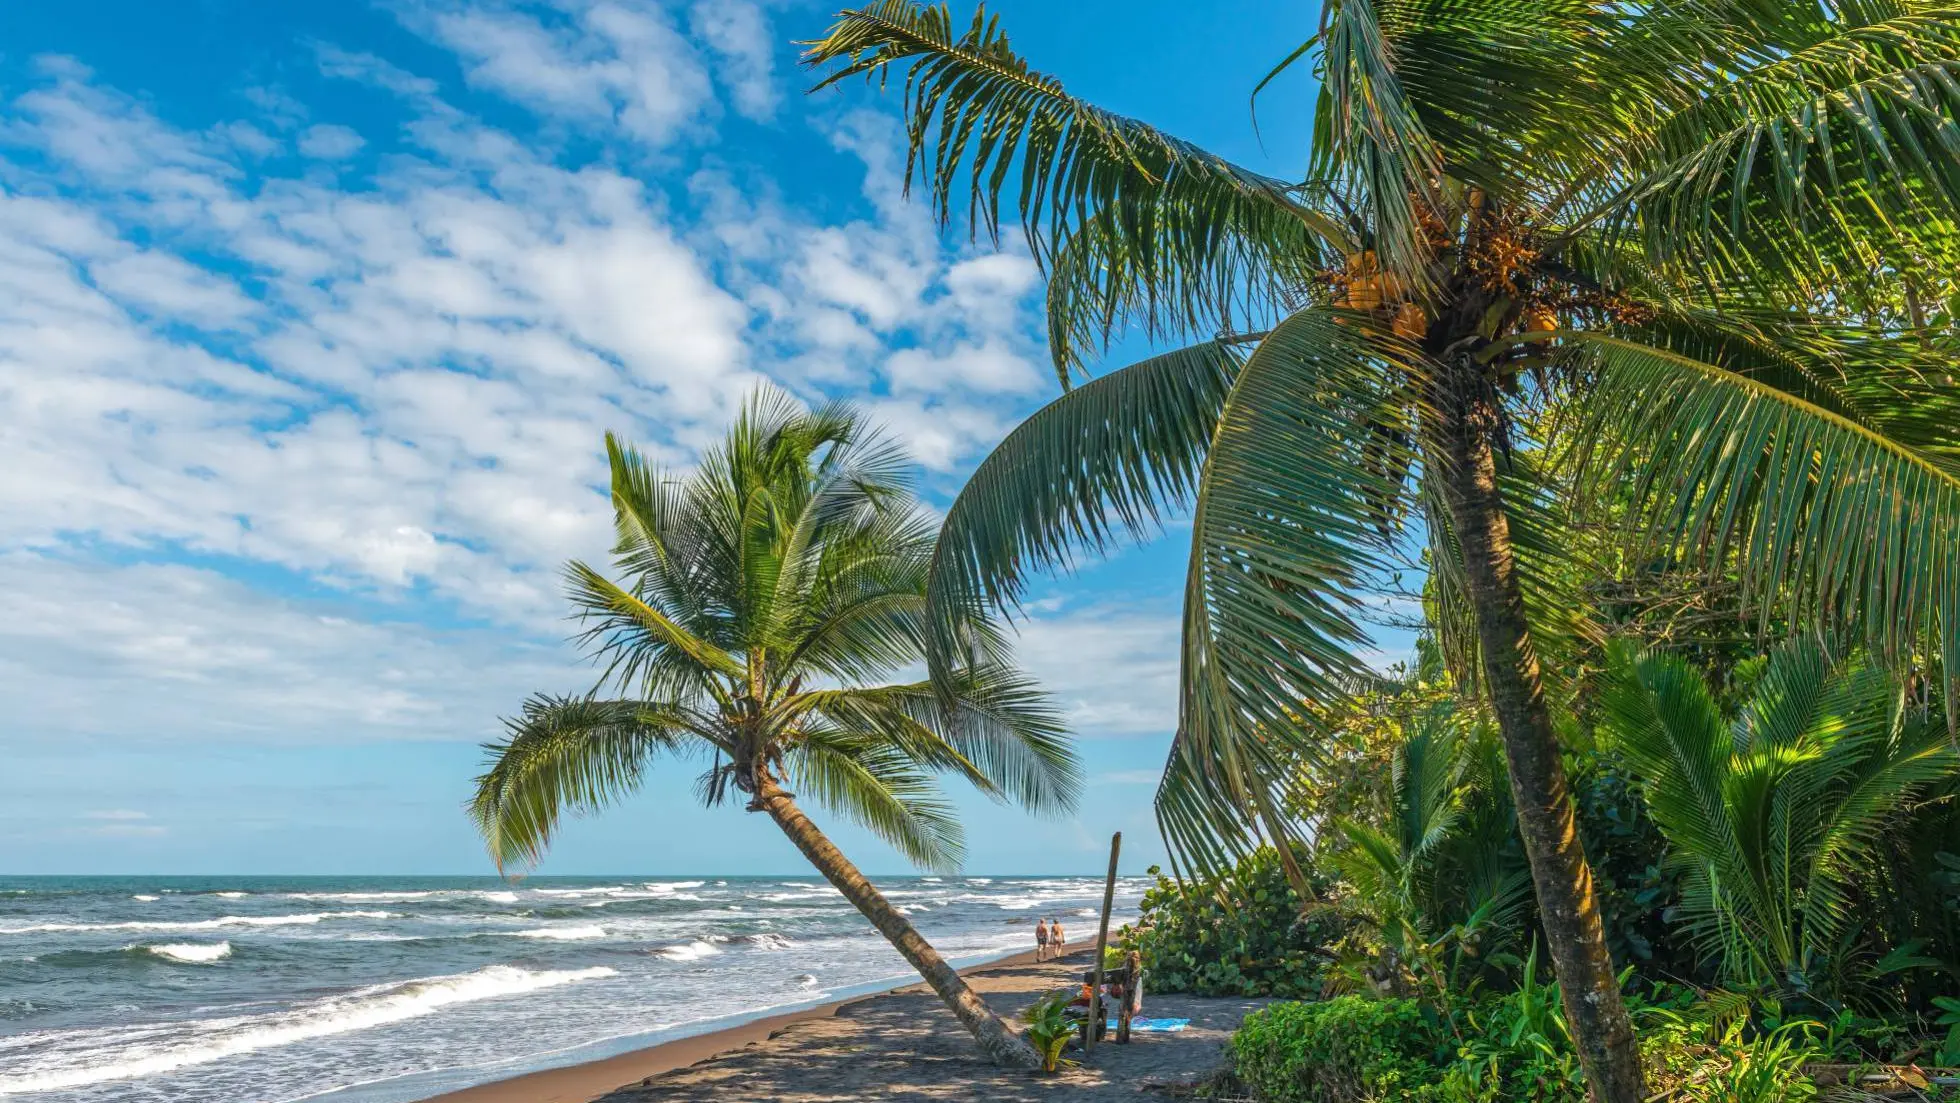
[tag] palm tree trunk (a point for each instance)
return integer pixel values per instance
(997, 1041)
(1568, 908)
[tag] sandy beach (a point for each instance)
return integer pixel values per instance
(900, 1045)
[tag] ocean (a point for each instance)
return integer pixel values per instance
(391, 989)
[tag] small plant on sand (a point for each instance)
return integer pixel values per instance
(1049, 1027)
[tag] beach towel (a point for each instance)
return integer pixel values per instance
(1141, 1025)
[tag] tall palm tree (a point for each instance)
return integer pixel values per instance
(1776, 812)
(1716, 235)
(756, 607)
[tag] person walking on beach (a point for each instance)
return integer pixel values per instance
(1041, 940)
(1056, 943)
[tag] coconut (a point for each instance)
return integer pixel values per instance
(1364, 282)
(1410, 322)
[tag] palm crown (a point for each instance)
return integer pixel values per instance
(1713, 237)
(756, 606)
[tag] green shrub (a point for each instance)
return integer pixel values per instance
(1697, 1048)
(1244, 936)
(1346, 1050)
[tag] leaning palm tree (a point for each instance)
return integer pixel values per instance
(1716, 238)
(755, 609)
(1773, 814)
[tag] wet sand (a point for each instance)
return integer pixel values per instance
(899, 1045)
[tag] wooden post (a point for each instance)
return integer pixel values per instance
(1096, 1012)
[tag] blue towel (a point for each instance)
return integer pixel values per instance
(1141, 1025)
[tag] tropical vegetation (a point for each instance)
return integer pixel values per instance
(1574, 306)
(755, 609)
(1768, 824)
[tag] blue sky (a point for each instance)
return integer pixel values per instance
(313, 314)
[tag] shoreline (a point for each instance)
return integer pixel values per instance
(584, 1081)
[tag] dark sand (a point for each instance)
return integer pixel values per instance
(902, 1045)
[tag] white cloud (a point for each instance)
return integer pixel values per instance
(1114, 671)
(116, 814)
(592, 63)
(159, 285)
(388, 383)
(744, 47)
(327, 142)
(988, 366)
(418, 395)
(173, 653)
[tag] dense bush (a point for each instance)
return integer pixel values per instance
(1343, 1050)
(1513, 1049)
(1245, 935)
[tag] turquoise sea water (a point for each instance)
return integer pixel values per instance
(387, 989)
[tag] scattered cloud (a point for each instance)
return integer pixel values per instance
(327, 142)
(167, 653)
(612, 68)
(1112, 669)
(296, 445)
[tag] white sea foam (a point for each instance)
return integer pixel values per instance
(629, 897)
(494, 895)
(564, 933)
(145, 899)
(353, 897)
(190, 953)
(302, 920)
(691, 951)
(74, 1058)
(768, 941)
(232, 895)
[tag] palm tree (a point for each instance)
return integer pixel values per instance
(1715, 237)
(1775, 813)
(757, 606)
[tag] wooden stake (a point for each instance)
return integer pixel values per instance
(1097, 1016)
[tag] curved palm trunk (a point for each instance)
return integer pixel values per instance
(1000, 1044)
(1567, 906)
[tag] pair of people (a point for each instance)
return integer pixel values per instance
(1049, 941)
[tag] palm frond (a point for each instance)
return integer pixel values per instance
(1182, 225)
(1001, 732)
(1369, 137)
(1119, 452)
(566, 753)
(1821, 518)
(637, 640)
(1287, 532)
(868, 781)
(1812, 144)
(1122, 268)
